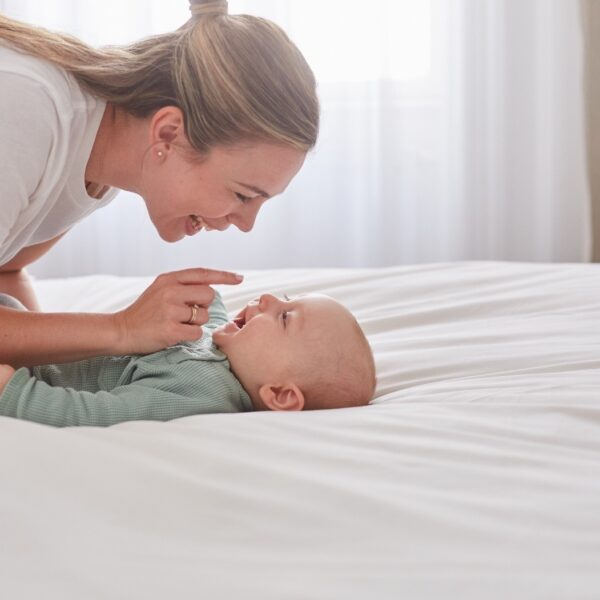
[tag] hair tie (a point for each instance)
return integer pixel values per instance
(212, 8)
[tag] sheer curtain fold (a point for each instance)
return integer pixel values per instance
(451, 130)
(521, 130)
(590, 10)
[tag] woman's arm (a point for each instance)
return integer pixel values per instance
(31, 338)
(36, 338)
(157, 319)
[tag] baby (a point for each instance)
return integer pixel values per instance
(307, 352)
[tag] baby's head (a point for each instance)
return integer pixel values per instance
(306, 352)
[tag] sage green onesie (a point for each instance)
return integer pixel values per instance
(186, 379)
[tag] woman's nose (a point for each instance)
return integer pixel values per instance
(244, 219)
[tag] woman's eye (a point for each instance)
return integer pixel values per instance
(242, 197)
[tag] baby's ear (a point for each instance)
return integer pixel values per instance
(282, 397)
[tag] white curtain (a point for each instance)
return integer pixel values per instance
(451, 130)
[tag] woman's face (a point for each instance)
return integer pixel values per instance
(227, 188)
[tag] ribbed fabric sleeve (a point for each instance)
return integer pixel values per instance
(158, 395)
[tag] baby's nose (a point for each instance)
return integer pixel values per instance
(266, 301)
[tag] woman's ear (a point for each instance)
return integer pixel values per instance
(281, 397)
(166, 124)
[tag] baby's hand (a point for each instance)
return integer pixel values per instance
(6, 372)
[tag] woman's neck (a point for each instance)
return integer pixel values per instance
(112, 161)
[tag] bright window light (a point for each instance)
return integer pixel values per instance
(360, 41)
(343, 40)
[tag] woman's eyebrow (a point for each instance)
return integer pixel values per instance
(254, 189)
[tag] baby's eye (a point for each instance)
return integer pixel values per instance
(242, 197)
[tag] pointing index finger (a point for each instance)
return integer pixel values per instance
(201, 275)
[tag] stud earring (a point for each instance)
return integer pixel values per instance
(160, 153)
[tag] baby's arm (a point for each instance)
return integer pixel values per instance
(165, 395)
(6, 372)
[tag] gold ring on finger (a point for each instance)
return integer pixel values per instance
(192, 319)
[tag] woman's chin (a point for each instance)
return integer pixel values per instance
(171, 236)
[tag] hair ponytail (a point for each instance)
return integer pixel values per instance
(208, 8)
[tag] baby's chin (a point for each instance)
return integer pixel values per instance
(223, 334)
(221, 340)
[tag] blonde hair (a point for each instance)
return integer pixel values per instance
(235, 78)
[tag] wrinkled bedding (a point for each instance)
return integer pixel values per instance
(474, 473)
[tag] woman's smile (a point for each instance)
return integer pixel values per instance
(194, 224)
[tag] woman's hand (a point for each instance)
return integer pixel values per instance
(160, 316)
(6, 372)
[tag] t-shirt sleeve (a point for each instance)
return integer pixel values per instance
(28, 126)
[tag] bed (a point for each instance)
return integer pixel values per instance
(473, 474)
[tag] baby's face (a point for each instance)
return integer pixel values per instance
(271, 336)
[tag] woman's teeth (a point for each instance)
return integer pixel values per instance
(198, 223)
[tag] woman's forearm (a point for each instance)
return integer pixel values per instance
(35, 338)
(159, 318)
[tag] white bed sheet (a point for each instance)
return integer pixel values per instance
(475, 473)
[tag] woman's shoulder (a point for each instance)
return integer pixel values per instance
(30, 114)
(32, 79)
(42, 109)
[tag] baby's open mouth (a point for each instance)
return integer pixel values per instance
(240, 322)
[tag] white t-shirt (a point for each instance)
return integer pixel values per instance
(48, 125)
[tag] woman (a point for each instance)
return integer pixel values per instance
(205, 123)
